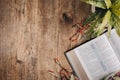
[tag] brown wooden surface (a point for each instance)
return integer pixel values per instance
(32, 33)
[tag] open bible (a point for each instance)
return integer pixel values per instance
(96, 58)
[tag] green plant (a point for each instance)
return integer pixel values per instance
(105, 17)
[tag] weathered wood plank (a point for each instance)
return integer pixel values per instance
(32, 33)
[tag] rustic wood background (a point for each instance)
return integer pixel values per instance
(32, 33)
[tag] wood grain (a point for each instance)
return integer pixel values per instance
(32, 33)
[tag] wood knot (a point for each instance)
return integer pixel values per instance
(19, 61)
(67, 17)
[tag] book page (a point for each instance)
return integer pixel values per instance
(76, 66)
(115, 42)
(97, 58)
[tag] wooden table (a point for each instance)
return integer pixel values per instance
(32, 33)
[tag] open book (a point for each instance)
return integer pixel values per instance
(96, 58)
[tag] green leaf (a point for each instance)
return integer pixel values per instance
(115, 1)
(116, 12)
(109, 29)
(90, 32)
(90, 18)
(106, 19)
(117, 24)
(94, 23)
(111, 24)
(100, 4)
(116, 5)
(118, 31)
(108, 3)
(117, 28)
